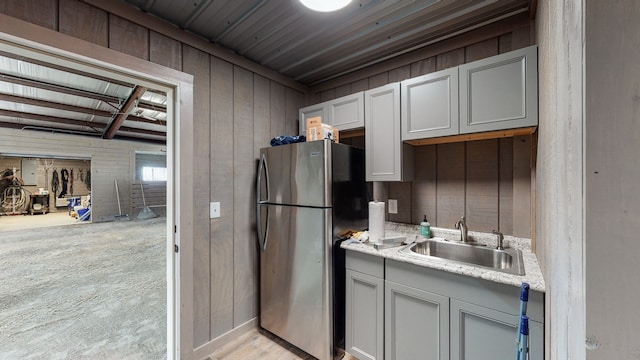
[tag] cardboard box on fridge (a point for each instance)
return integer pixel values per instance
(323, 131)
(313, 122)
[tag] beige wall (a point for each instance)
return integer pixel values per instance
(80, 168)
(489, 181)
(238, 107)
(109, 160)
(559, 182)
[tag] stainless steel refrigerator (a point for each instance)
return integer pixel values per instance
(308, 194)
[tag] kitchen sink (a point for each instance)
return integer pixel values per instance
(507, 260)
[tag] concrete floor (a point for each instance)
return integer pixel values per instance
(23, 222)
(84, 291)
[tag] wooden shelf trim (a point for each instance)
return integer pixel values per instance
(472, 137)
(351, 133)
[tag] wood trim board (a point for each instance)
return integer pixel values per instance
(473, 137)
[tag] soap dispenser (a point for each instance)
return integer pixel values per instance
(425, 228)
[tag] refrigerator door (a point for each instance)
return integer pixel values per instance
(297, 174)
(295, 277)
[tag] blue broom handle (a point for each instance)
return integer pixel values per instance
(523, 345)
(524, 299)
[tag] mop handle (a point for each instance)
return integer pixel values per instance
(524, 298)
(523, 345)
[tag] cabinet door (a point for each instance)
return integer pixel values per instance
(364, 311)
(416, 324)
(312, 111)
(387, 159)
(499, 92)
(347, 112)
(481, 333)
(430, 105)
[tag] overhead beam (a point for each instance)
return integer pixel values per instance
(54, 105)
(142, 104)
(44, 127)
(49, 118)
(121, 116)
(58, 88)
(64, 69)
(145, 120)
(143, 131)
(142, 139)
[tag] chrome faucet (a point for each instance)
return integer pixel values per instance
(500, 239)
(462, 226)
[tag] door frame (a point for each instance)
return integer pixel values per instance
(48, 45)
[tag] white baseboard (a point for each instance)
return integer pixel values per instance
(203, 351)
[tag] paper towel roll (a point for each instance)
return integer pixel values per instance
(376, 221)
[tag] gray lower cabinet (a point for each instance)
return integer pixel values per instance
(416, 324)
(364, 310)
(364, 327)
(481, 333)
(433, 315)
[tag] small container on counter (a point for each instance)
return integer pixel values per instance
(425, 228)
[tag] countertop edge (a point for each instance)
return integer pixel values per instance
(533, 274)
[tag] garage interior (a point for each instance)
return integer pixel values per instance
(82, 214)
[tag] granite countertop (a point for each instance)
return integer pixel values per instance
(533, 274)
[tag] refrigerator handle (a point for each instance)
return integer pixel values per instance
(263, 168)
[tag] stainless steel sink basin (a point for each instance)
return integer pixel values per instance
(507, 260)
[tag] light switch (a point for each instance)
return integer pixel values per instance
(214, 210)
(393, 206)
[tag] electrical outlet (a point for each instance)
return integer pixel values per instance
(214, 210)
(393, 206)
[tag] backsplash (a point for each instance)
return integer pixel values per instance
(488, 181)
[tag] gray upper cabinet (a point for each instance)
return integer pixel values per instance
(430, 105)
(344, 113)
(499, 92)
(347, 112)
(387, 158)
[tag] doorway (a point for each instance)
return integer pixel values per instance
(51, 47)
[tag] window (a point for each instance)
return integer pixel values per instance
(154, 174)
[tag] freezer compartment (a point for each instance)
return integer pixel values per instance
(295, 174)
(296, 277)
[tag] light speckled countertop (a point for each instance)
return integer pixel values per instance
(533, 275)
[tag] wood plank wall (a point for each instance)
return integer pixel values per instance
(488, 181)
(236, 112)
(155, 197)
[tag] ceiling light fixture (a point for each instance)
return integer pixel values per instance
(325, 5)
